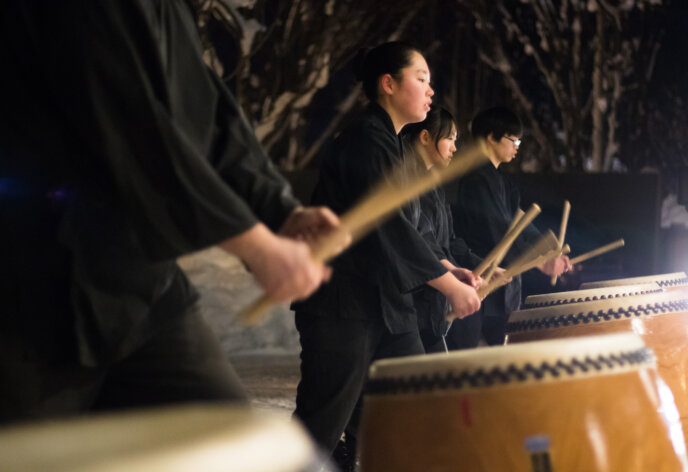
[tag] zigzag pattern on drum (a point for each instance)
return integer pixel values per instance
(599, 316)
(672, 283)
(566, 301)
(498, 375)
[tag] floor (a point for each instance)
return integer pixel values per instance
(270, 378)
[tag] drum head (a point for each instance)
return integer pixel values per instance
(189, 438)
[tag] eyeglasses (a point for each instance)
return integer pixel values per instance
(517, 142)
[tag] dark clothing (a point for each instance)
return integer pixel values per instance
(335, 357)
(181, 362)
(375, 277)
(436, 227)
(367, 305)
(120, 152)
(133, 152)
(483, 205)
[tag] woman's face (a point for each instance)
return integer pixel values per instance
(441, 152)
(412, 93)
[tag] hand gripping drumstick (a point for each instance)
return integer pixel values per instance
(600, 250)
(547, 243)
(507, 240)
(562, 232)
(387, 196)
(537, 262)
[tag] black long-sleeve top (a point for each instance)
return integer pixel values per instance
(436, 227)
(483, 204)
(375, 276)
(120, 152)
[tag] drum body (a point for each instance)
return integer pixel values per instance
(179, 439)
(660, 320)
(573, 405)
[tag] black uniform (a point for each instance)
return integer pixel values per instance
(483, 204)
(437, 229)
(366, 311)
(120, 152)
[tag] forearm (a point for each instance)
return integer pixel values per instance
(446, 284)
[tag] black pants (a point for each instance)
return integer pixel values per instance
(487, 324)
(335, 356)
(182, 362)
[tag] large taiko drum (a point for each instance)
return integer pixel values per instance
(660, 319)
(666, 281)
(589, 295)
(181, 439)
(584, 404)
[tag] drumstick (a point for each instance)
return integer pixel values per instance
(493, 266)
(562, 232)
(508, 239)
(387, 196)
(598, 251)
(546, 243)
(514, 271)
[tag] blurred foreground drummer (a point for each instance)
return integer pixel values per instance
(131, 154)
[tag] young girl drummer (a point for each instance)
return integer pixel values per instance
(432, 143)
(366, 311)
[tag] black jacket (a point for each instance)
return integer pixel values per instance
(436, 227)
(483, 203)
(375, 277)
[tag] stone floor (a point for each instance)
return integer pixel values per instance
(270, 379)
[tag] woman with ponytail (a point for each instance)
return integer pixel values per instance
(366, 311)
(432, 143)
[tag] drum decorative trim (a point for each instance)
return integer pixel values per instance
(551, 360)
(590, 295)
(497, 375)
(673, 282)
(596, 316)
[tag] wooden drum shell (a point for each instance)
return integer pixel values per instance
(665, 333)
(600, 423)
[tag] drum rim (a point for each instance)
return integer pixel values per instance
(550, 360)
(668, 279)
(631, 307)
(590, 295)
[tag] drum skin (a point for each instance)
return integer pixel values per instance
(666, 334)
(589, 421)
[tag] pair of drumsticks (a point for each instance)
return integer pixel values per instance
(588, 255)
(547, 248)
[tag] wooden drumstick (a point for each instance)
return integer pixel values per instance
(598, 251)
(498, 260)
(507, 240)
(562, 232)
(545, 244)
(387, 196)
(513, 271)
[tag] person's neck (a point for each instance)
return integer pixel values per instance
(492, 156)
(397, 120)
(420, 150)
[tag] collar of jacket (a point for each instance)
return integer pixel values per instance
(382, 114)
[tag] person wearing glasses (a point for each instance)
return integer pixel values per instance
(483, 204)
